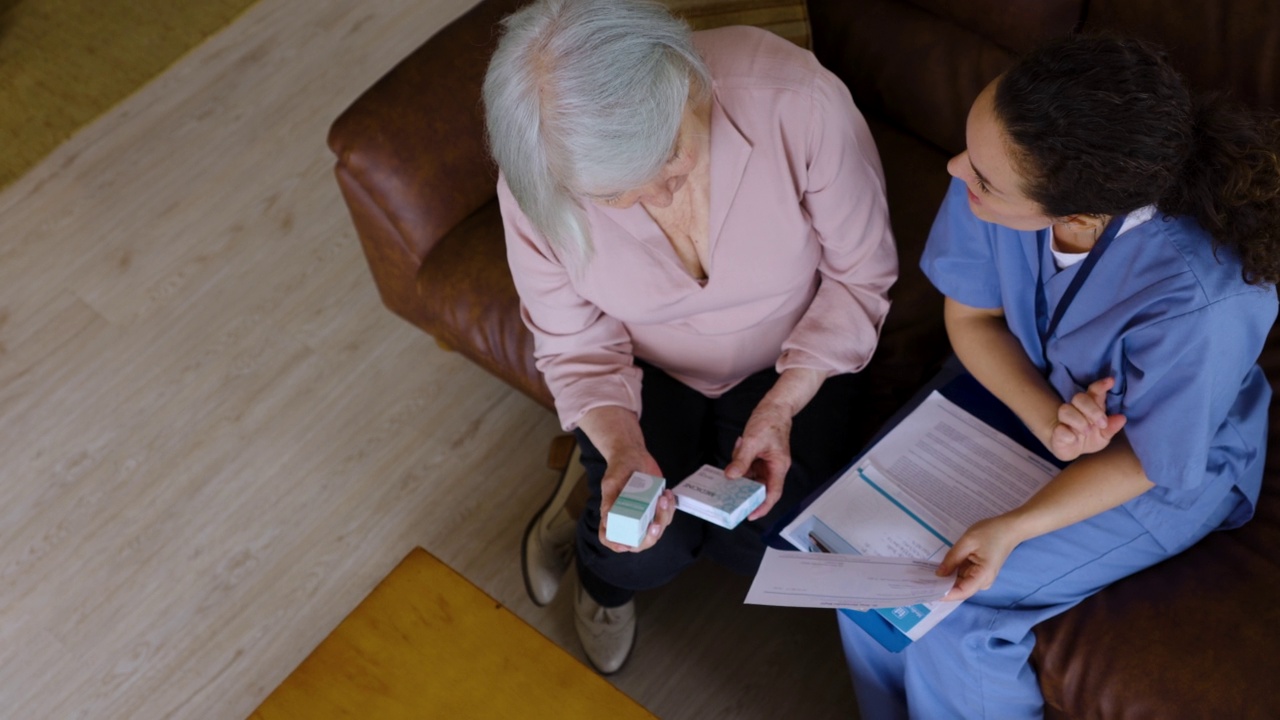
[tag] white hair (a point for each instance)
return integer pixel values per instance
(585, 97)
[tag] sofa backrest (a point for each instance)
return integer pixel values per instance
(1218, 45)
(786, 18)
(919, 65)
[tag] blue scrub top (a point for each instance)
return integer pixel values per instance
(1177, 327)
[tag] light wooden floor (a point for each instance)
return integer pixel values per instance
(214, 441)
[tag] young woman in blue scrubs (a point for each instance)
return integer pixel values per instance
(1108, 250)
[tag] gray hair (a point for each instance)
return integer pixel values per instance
(586, 97)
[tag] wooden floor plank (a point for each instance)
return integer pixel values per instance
(215, 441)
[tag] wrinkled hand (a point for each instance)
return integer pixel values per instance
(615, 478)
(977, 557)
(1083, 426)
(763, 453)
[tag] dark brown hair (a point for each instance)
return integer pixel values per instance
(1104, 125)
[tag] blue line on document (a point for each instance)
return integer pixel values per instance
(902, 507)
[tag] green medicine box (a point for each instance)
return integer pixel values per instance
(632, 512)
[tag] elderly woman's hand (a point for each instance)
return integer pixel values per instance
(615, 432)
(763, 453)
(621, 465)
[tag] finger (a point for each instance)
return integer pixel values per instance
(748, 461)
(967, 585)
(1066, 443)
(651, 537)
(778, 468)
(773, 485)
(1115, 424)
(1099, 389)
(739, 463)
(1070, 415)
(619, 548)
(666, 509)
(954, 557)
(764, 508)
(661, 519)
(1091, 409)
(959, 592)
(1065, 436)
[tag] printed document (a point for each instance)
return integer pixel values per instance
(914, 493)
(794, 579)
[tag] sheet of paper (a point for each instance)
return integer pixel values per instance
(940, 469)
(913, 495)
(948, 464)
(796, 579)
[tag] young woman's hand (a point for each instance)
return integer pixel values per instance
(621, 465)
(1083, 426)
(977, 557)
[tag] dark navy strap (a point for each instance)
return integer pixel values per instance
(1086, 267)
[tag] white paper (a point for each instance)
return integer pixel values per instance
(797, 579)
(938, 472)
(917, 491)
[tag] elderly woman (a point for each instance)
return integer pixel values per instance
(697, 228)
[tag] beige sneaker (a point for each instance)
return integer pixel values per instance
(607, 634)
(547, 547)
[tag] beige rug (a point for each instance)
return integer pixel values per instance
(65, 62)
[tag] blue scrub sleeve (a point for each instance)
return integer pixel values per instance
(1181, 380)
(959, 258)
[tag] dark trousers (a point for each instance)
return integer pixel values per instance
(683, 430)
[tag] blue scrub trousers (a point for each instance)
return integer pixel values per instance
(975, 663)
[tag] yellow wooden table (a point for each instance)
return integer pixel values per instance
(426, 643)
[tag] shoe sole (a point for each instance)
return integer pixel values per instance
(559, 495)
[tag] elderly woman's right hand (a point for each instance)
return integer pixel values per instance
(621, 465)
(615, 431)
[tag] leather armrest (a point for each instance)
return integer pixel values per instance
(412, 161)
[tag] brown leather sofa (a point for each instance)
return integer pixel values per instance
(1194, 637)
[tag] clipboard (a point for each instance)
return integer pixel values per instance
(890, 625)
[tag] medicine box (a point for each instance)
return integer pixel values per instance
(632, 512)
(710, 495)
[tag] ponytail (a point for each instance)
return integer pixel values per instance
(1105, 125)
(1230, 183)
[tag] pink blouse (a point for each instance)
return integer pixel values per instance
(800, 257)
